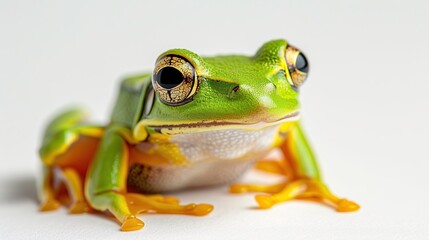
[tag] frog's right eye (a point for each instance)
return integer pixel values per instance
(175, 80)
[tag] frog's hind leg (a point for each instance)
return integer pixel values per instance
(52, 194)
(46, 192)
(67, 150)
(68, 168)
(74, 184)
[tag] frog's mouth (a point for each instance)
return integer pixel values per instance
(210, 125)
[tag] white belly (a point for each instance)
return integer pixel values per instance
(224, 145)
(216, 157)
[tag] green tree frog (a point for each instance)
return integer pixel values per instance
(194, 122)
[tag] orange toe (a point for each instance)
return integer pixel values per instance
(345, 205)
(264, 201)
(202, 209)
(79, 207)
(132, 224)
(237, 188)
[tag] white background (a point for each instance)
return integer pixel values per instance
(365, 107)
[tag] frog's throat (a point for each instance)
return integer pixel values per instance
(204, 126)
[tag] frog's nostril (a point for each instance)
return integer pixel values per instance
(233, 91)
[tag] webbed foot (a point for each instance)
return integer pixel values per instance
(139, 203)
(301, 188)
(125, 207)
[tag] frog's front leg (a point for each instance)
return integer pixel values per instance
(303, 178)
(106, 188)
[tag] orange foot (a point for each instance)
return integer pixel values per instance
(139, 203)
(303, 188)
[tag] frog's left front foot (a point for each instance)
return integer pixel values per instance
(301, 188)
(139, 203)
(126, 206)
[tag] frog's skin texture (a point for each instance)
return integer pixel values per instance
(194, 122)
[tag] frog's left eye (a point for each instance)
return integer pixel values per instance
(175, 80)
(298, 66)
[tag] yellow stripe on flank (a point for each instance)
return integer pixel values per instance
(166, 149)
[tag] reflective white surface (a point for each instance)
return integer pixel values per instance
(365, 107)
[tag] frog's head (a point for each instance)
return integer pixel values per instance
(193, 93)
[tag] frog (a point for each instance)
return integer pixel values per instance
(193, 122)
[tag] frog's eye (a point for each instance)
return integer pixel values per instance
(298, 66)
(175, 80)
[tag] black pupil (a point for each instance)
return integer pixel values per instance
(169, 77)
(301, 63)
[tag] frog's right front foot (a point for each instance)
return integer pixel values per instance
(125, 207)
